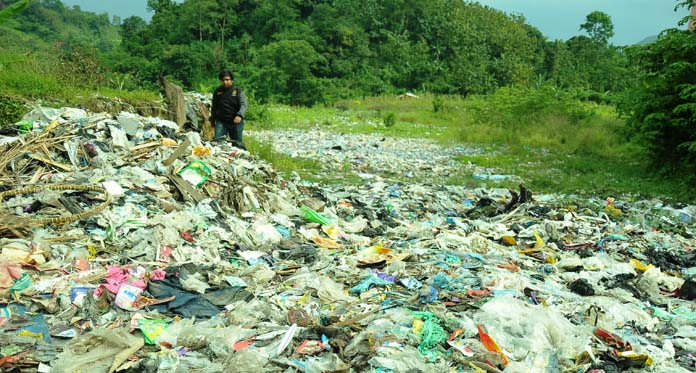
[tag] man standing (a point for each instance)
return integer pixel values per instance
(229, 108)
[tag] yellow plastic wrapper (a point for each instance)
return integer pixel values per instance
(640, 266)
(418, 326)
(200, 151)
(634, 358)
(331, 230)
(509, 240)
(539, 242)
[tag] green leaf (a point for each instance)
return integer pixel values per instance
(13, 10)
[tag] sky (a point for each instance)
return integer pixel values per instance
(634, 20)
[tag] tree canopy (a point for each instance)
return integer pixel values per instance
(599, 26)
(310, 51)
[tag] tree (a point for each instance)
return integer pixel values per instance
(133, 34)
(662, 108)
(286, 69)
(599, 26)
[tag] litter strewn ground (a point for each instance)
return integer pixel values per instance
(130, 245)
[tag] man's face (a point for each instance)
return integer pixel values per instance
(227, 82)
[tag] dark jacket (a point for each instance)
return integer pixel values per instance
(228, 103)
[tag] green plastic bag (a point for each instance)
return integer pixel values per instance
(25, 126)
(313, 216)
(151, 329)
(21, 283)
(195, 173)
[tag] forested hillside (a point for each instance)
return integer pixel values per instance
(303, 52)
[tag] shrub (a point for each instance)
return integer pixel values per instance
(438, 104)
(389, 119)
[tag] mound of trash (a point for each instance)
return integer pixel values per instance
(129, 244)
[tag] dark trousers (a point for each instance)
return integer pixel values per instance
(234, 131)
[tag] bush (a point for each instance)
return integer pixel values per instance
(256, 112)
(389, 120)
(516, 108)
(438, 104)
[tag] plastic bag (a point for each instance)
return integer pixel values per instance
(313, 216)
(405, 359)
(152, 329)
(195, 173)
(102, 350)
(521, 329)
(246, 360)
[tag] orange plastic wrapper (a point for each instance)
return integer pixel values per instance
(168, 142)
(490, 344)
(510, 266)
(327, 243)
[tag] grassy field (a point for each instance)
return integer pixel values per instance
(554, 142)
(40, 77)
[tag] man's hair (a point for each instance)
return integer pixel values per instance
(225, 73)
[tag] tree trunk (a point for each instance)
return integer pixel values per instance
(692, 21)
(222, 35)
(177, 104)
(200, 24)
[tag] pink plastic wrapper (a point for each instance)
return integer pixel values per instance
(158, 274)
(117, 276)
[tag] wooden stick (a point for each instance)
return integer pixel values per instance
(177, 153)
(357, 318)
(52, 163)
(145, 146)
(186, 188)
(37, 175)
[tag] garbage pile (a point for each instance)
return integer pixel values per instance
(129, 245)
(371, 155)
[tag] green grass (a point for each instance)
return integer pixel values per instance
(307, 169)
(29, 76)
(140, 95)
(553, 142)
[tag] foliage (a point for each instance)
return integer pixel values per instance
(55, 24)
(590, 63)
(257, 112)
(662, 109)
(389, 119)
(26, 75)
(13, 10)
(599, 26)
(79, 66)
(303, 52)
(314, 52)
(519, 108)
(438, 103)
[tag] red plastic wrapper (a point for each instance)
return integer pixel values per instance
(490, 344)
(612, 339)
(310, 347)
